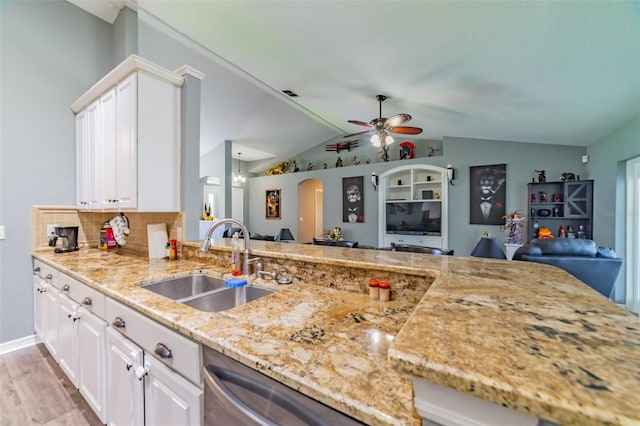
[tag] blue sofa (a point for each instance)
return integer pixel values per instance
(598, 267)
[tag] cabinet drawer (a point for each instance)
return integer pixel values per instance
(90, 299)
(46, 272)
(186, 355)
(426, 241)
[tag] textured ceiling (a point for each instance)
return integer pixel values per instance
(561, 72)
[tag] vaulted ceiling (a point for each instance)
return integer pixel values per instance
(560, 72)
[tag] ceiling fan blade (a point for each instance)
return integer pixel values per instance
(406, 130)
(360, 123)
(356, 134)
(397, 119)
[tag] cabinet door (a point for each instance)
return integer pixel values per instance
(126, 160)
(91, 170)
(50, 325)
(82, 184)
(68, 337)
(125, 405)
(169, 398)
(91, 363)
(39, 305)
(108, 160)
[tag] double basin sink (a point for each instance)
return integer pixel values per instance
(206, 293)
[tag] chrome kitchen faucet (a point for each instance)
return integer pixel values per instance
(206, 243)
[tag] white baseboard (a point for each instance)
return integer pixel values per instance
(20, 343)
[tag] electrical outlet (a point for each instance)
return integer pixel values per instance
(51, 230)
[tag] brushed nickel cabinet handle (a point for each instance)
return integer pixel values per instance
(36, 270)
(118, 323)
(87, 301)
(48, 277)
(162, 351)
(66, 287)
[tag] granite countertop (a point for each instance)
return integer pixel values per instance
(520, 334)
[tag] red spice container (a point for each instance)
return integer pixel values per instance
(385, 291)
(374, 289)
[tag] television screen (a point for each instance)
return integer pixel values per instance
(413, 218)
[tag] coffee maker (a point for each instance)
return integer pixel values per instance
(69, 235)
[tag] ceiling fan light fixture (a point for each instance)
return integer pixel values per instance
(375, 140)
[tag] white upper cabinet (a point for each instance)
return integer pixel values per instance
(128, 139)
(413, 206)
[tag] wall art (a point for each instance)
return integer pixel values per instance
(352, 199)
(487, 192)
(273, 201)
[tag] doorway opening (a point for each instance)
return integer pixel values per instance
(310, 207)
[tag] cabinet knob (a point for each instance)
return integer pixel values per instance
(48, 277)
(36, 270)
(142, 370)
(65, 287)
(87, 301)
(118, 323)
(162, 351)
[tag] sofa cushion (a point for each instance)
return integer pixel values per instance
(565, 246)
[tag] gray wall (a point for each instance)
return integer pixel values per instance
(521, 159)
(606, 166)
(52, 52)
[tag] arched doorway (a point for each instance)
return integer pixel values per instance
(309, 210)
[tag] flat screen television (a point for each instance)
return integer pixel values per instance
(414, 218)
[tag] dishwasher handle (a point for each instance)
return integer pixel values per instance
(215, 375)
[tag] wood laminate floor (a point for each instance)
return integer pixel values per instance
(35, 391)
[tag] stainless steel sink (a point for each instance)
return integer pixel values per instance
(186, 287)
(227, 298)
(206, 293)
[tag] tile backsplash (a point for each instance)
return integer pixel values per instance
(89, 224)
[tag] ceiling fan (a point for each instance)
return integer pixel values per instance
(381, 126)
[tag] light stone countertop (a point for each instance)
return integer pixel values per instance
(524, 335)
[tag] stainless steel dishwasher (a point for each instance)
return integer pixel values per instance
(235, 394)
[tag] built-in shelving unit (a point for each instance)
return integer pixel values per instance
(413, 206)
(556, 204)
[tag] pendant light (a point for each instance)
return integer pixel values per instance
(239, 179)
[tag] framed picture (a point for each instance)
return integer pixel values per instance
(272, 203)
(487, 192)
(352, 199)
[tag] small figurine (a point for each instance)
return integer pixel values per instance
(295, 168)
(513, 223)
(309, 166)
(431, 150)
(339, 162)
(367, 161)
(541, 176)
(355, 161)
(326, 166)
(568, 176)
(407, 150)
(279, 169)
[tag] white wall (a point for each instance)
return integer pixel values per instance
(51, 53)
(606, 166)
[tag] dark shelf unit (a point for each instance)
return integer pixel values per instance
(569, 203)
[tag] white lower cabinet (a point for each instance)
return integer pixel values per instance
(169, 398)
(142, 354)
(91, 362)
(82, 342)
(133, 372)
(126, 391)
(68, 337)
